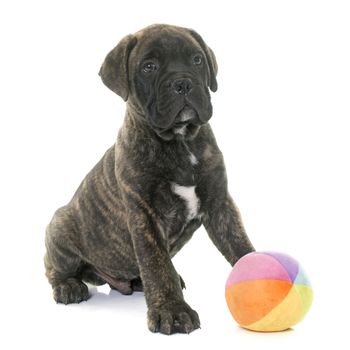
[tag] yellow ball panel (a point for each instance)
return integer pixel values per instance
(288, 313)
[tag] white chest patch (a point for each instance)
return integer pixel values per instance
(188, 194)
(193, 159)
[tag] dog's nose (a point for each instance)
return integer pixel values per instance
(182, 86)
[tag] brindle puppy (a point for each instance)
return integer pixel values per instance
(164, 177)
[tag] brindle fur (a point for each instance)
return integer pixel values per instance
(125, 223)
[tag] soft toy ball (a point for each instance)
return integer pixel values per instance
(268, 292)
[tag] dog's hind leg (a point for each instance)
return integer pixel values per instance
(88, 275)
(63, 265)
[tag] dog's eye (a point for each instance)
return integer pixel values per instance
(149, 67)
(197, 60)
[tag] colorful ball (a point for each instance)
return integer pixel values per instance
(268, 292)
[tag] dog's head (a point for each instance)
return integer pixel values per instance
(165, 71)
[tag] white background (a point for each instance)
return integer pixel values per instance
(280, 117)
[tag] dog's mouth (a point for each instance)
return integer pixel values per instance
(186, 114)
(185, 125)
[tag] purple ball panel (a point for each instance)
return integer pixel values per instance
(290, 264)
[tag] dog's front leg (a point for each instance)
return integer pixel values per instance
(223, 223)
(167, 311)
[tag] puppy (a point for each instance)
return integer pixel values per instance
(162, 179)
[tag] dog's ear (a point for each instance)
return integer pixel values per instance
(114, 70)
(213, 66)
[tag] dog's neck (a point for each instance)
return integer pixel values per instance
(173, 159)
(136, 126)
(138, 142)
(134, 109)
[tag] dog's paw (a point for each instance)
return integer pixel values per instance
(70, 291)
(172, 317)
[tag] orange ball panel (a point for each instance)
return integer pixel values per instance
(250, 301)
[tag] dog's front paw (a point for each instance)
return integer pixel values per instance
(172, 317)
(70, 291)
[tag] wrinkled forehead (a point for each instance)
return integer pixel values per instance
(158, 45)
